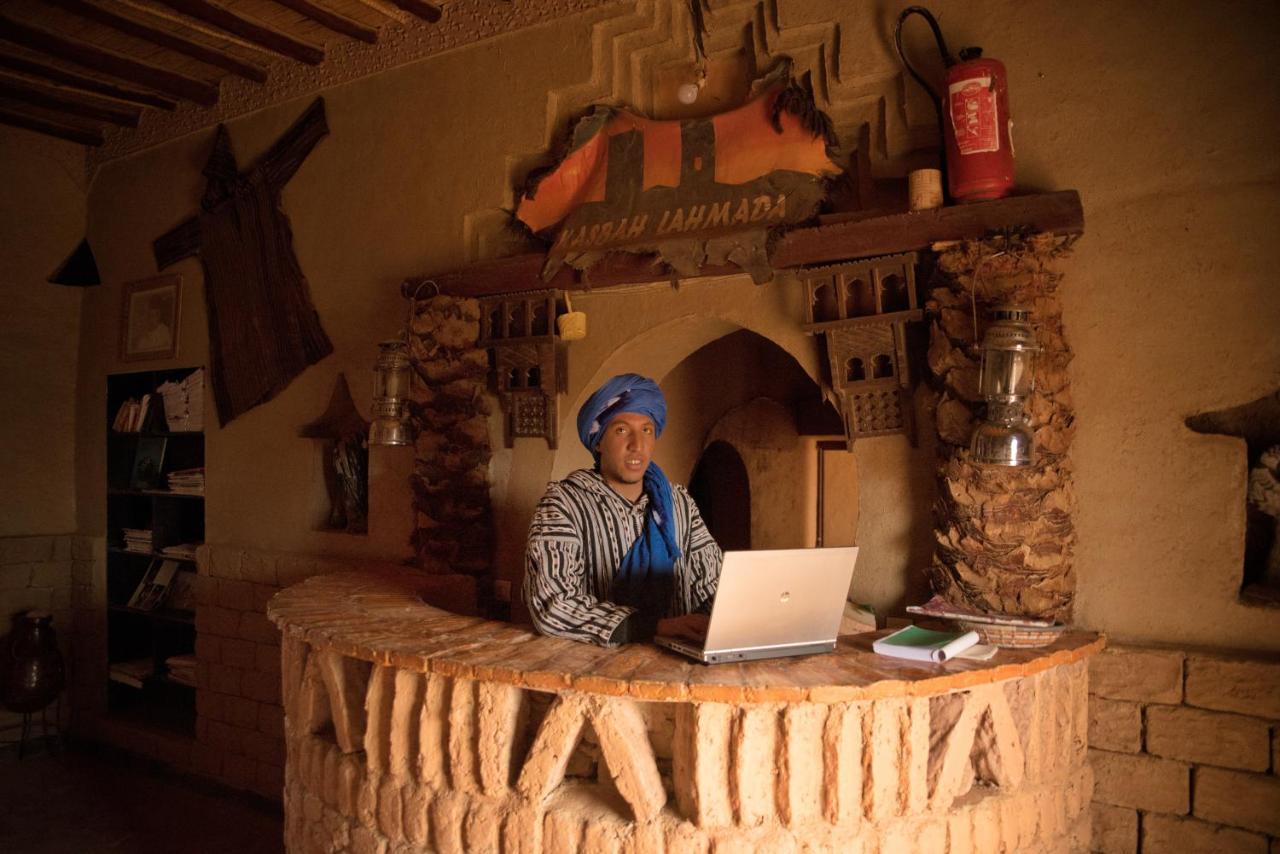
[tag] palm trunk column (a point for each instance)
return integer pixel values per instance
(1004, 535)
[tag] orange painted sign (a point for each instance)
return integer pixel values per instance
(634, 182)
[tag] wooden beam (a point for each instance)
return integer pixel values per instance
(66, 101)
(503, 275)
(108, 62)
(132, 26)
(428, 12)
(74, 133)
(86, 84)
(331, 19)
(249, 30)
(1059, 213)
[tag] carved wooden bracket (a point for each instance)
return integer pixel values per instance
(520, 330)
(862, 310)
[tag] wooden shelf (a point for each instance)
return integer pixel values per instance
(120, 550)
(155, 493)
(148, 638)
(1054, 213)
(864, 237)
(155, 434)
(160, 704)
(186, 618)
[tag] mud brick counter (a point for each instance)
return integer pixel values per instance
(410, 729)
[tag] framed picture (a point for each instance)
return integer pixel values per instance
(149, 320)
(148, 462)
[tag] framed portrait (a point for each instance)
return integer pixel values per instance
(149, 321)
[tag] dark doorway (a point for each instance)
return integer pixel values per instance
(720, 486)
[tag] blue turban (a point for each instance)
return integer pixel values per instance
(647, 573)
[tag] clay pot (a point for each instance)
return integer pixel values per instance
(32, 663)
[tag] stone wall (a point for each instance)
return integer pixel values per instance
(1184, 749)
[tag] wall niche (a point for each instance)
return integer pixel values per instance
(1258, 423)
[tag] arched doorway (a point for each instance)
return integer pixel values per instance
(723, 492)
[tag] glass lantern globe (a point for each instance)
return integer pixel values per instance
(392, 376)
(1009, 351)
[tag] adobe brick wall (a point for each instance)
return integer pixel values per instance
(413, 730)
(1183, 745)
(239, 719)
(54, 574)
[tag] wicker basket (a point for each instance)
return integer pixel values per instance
(1012, 636)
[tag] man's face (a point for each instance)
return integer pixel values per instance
(626, 449)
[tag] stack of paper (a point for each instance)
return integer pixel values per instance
(184, 402)
(137, 539)
(194, 386)
(133, 672)
(187, 481)
(182, 551)
(182, 669)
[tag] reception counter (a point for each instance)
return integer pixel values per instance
(410, 729)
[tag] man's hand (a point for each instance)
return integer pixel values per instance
(690, 627)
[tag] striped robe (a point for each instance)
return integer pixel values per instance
(580, 533)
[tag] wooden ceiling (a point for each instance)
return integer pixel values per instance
(70, 68)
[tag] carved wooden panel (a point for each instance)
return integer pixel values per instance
(520, 331)
(862, 310)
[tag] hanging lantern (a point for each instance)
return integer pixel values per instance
(391, 395)
(1009, 350)
(393, 377)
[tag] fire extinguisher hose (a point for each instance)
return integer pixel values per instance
(947, 61)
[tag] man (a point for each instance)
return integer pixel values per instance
(618, 553)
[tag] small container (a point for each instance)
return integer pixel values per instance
(572, 325)
(924, 187)
(33, 671)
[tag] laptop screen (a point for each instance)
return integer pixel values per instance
(780, 597)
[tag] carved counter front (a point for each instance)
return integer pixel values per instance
(410, 729)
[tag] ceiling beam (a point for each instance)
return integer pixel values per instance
(429, 12)
(108, 62)
(66, 101)
(132, 26)
(85, 84)
(331, 19)
(74, 133)
(249, 29)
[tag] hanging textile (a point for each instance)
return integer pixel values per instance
(263, 328)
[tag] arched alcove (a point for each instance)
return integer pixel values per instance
(722, 490)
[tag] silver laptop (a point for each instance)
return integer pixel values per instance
(774, 603)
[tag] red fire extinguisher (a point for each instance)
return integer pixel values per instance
(974, 116)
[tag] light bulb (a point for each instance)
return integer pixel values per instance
(688, 93)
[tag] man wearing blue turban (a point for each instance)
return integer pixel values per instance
(617, 552)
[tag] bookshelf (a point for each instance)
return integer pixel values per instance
(150, 623)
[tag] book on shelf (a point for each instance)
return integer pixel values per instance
(917, 644)
(147, 463)
(144, 405)
(120, 424)
(182, 591)
(154, 585)
(133, 414)
(134, 672)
